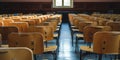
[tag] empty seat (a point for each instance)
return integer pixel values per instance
(5, 31)
(89, 31)
(84, 24)
(22, 26)
(16, 53)
(7, 22)
(114, 25)
(32, 40)
(104, 42)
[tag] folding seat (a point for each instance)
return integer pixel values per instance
(16, 53)
(104, 43)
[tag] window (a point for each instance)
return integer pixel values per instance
(62, 3)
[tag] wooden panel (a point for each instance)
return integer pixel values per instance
(42, 7)
(51, 0)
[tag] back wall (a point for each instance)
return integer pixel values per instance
(43, 6)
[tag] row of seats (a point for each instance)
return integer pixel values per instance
(30, 31)
(115, 17)
(100, 35)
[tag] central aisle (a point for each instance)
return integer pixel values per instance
(66, 51)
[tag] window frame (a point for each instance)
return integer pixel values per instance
(54, 4)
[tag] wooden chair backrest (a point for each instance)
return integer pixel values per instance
(106, 42)
(23, 26)
(114, 25)
(16, 53)
(5, 31)
(7, 22)
(89, 31)
(34, 41)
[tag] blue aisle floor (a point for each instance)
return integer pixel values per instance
(66, 50)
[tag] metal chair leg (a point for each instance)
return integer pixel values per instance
(80, 54)
(35, 58)
(76, 44)
(100, 57)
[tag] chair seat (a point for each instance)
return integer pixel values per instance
(86, 48)
(75, 29)
(50, 48)
(57, 29)
(58, 26)
(79, 35)
(44, 40)
(16, 53)
(5, 45)
(55, 35)
(73, 26)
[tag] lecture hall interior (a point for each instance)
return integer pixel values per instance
(59, 29)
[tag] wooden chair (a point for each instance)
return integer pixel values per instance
(75, 27)
(103, 22)
(22, 26)
(51, 31)
(5, 31)
(16, 53)
(104, 42)
(88, 33)
(84, 24)
(114, 25)
(47, 32)
(16, 19)
(80, 36)
(56, 31)
(34, 41)
(7, 22)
